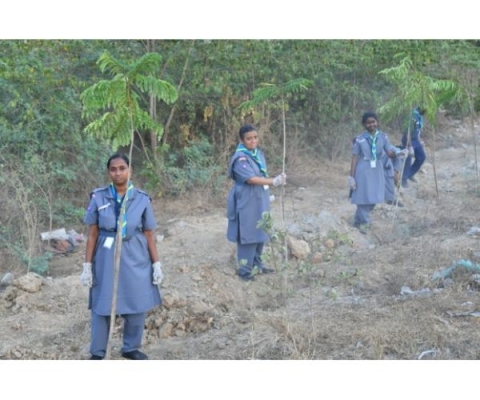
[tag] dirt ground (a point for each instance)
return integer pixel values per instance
(342, 295)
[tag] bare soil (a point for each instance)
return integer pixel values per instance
(354, 297)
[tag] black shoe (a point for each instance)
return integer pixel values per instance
(135, 355)
(94, 357)
(363, 228)
(247, 278)
(267, 271)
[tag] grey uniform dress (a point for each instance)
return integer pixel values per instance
(136, 292)
(390, 166)
(245, 205)
(370, 180)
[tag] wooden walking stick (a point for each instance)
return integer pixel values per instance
(117, 259)
(399, 185)
(116, 273)
(282, 195)
(400, 180)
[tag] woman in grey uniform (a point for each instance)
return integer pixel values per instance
(367, 175)
(248, 199)
(140, 267)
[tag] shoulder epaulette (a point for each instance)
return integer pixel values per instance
(140, 191)
(97, 190)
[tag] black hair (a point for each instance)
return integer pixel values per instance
(244, 130)
(367, 115)
(421, 110)
(118, 155)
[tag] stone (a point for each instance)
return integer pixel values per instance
(299, 248)
(30, 282)
(7, 279)
(166, 330)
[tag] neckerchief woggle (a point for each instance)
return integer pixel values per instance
(118, 205)
(254, 156)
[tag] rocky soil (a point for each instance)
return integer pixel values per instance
(337, 295)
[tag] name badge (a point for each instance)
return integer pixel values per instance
(108, 242)
(103, 207)
(373, 163)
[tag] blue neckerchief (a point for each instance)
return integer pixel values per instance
(118, 205)
(374, 143)
(254, 156)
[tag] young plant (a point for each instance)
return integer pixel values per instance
(416, 88)
(124, 116)
(277, 95)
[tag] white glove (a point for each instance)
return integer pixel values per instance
(87, 277)
(280, 180)
(352, 183)
(157, 273)
(402, 153)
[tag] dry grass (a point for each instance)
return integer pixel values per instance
(372, 297)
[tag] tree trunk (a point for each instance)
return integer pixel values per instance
(172, 111)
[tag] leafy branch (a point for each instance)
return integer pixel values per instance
(120, 97)
(277, 95)
(413, 87)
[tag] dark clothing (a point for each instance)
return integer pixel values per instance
(416, 126)
(412, 168)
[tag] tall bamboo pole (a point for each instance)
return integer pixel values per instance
(118, 252)
(283, 186)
